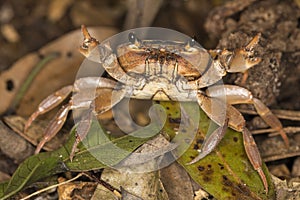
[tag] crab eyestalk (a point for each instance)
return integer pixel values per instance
(89, 43)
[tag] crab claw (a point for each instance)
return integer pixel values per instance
(239, 60)
(243, 59)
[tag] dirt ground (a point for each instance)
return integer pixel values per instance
(27, 26)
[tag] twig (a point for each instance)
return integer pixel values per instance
(281, 156)
(289, 130)
(52, 186)
(282, 114)
(105, 184)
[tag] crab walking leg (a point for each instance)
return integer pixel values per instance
(82, 130)
(238, 95)
(235, 121)
(100, 104)
(60, 95)
(54, 126)
(251, 45)
(252, 152)
(93, 83)
(270, 119)
(85, 88)
(211, 142)
(49, 103)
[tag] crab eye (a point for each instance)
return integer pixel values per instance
(190, 44)
(132, 38)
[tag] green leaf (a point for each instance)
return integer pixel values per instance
(99, 150)
(98, 146)
(3, 185)
(226, 173)
(31, 170)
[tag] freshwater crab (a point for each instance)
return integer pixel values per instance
(152, 69)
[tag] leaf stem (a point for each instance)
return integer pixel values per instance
(39, 66)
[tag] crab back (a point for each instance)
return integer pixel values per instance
(164, 57)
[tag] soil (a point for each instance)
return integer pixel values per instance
(276, 78)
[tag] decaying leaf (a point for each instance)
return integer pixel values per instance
(4, 176)
(57, 72)
(57, 9)
(14, 146)
(105, 13)
(226, 173)
(287, 190)
(141, 13)
(87, 157)
(35, 132)
(104, 193)
(75, 190)
(143, 185)
(177, 182)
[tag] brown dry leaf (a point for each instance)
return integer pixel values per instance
(75, 190)
(177, 182)
(57, 9)
(102, 192)
(281, 171)
(288, 191)
(10, 33)
(273, 148)
(201, 194)
(144, 185)
(12, 79)
(58, 72)
(35, 132)
(84, 12)
(141, 13)
(14, 146)
(4, 176)
(296, 168)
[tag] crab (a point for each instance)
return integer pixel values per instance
(157, 70)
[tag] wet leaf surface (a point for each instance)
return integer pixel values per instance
(226, 173)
